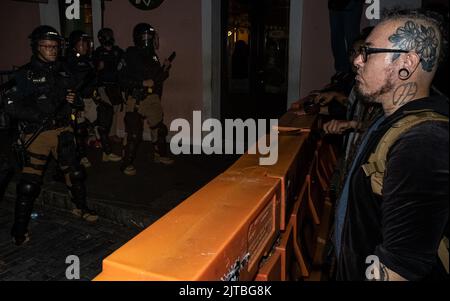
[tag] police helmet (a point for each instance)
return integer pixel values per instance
(77, 36)
(106, 37)
(44, 32)
(145, 36)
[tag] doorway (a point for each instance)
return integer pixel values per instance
(84, 23)
(255, 58)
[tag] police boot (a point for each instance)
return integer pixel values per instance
(79, 196)
(160, 146)
(27, 193)
(162, 157)
(108, 155)
(130, 153)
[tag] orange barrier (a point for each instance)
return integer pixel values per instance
(222, 232)
(272, 269)
(287, 170)
(253, 222)
(286, 248)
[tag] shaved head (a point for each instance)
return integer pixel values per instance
(415, 31)
(401, 58)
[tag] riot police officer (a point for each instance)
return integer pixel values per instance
(95, 112)
(142, 74)
(42, 104)
(106, 59)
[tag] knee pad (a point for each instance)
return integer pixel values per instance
(28, 188)
(77, 175)
(162, 131)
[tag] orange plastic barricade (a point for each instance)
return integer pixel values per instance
(278, 266)
(271, 269)
(303, 232)
(288, 169)
(292, 122)
(286, 249)
(222, 232)
(323, 231)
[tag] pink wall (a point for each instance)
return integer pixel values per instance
(17, 21)
(317, 58)
(180, 29)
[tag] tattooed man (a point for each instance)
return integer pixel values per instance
(393, 210)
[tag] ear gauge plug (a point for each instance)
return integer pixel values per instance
(404, 74)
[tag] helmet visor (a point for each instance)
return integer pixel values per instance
(150, 40)
(84, 45)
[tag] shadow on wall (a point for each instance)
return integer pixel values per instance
(17, 20)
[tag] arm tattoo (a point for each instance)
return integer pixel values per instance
(388, 275)
(384, 273)
(419, 38)
(404, 94)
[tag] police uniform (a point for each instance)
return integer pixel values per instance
(40, 106)
(141, 63)
(96, 112)
(107, 58)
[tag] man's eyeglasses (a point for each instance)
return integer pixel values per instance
(365, 51)
(49, 47)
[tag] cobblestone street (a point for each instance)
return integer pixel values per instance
(55, 235)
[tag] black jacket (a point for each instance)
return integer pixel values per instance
(40, 94)
(111, 60)
(84, 74)
(404, 227)
(139, 65)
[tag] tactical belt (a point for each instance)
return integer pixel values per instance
(38, 157)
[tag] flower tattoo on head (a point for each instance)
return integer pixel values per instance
(421, 39)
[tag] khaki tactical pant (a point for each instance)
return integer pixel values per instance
(150, 108)
(46, 144)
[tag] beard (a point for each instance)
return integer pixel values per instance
(374, 97)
